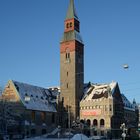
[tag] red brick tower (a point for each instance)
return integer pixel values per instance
(71, 63)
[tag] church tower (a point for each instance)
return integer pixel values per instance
(71, 63)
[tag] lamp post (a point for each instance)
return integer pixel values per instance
(58, 134)
(123, 127)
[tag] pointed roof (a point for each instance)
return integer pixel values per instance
(71, 13)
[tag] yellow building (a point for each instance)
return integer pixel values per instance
(103, 109)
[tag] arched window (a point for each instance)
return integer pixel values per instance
(102, 122)
(70, 24)
(82, 121)
(67, 54)
(67, 25)
(88, 122)
(95, 122)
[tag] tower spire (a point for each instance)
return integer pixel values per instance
(71, 13)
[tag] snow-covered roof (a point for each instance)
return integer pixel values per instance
(55, 90)
(36, 98)
(96, 91)
(127, 104)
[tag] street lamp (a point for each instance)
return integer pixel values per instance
(59, 129)
(124, 130)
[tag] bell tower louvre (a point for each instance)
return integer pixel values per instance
(71, 63)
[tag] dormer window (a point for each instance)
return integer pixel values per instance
(27, 98)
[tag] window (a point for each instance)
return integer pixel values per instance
(77, 26)
(67, 73)
(110, 107)
(44, 131)
(95, 122)
(70, 24)
(102, 133)
(95, 133)
(67, 54)
(33, 131)
(33, 115)
(105, 108)
(67, 26)
(43, 116)
(53, 118)
(67, 85)
(27, 133)
(88, 122)
(62, 99)
(102, 123)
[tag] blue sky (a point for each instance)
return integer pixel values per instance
(30, 32)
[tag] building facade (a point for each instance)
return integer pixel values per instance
(104, 109)
(32, 109)
(98, 106)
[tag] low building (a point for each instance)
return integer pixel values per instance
(139, 115)
(139, 119)
(130, 113)
(103, 108)
(33, 106)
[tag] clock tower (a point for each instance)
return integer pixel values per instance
(71, 64)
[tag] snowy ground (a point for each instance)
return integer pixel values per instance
(58, 139)
(47, 139)
(61, 139)
(75, 137)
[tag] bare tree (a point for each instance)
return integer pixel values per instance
(8, 117)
